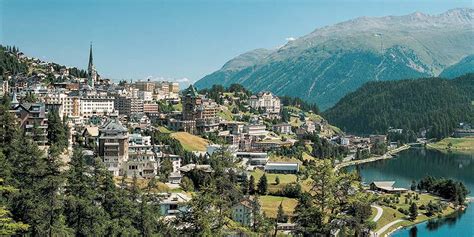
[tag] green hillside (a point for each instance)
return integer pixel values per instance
(434, 103)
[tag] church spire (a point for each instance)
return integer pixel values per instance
(91, 72)
(91, 63)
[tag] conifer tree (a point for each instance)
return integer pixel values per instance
(413, 211)
(281, 217)
(57, 131)
(30, 176)
(8, 227)
(252, 185)
(83, 213)
(263, 185)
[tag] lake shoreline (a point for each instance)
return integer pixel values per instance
(442, 216)
(414, 164)
(385, 156)
(458, 145)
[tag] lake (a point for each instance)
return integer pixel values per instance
(416, 163)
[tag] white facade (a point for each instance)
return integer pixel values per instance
(255, 130)
(96, 104)
(282, 167)
(86, 106)
(265, 100)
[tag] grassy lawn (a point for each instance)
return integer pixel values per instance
(275, 158)
(293, 109)
(143, 183)
(420, 218)
(164, 129)
(388, 216)
(295, 122)
(458, 144)
(272, 186)
(226, 114)
(270, 205)
(374, 212)
(284, 180)
(191, 142)
(391, 214)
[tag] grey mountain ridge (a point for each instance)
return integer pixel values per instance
(332, 61)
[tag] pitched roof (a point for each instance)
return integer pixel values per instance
(191, 91)
(92, 131)
(113, 126)
(384, 184)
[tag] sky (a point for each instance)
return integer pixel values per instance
(176, 39)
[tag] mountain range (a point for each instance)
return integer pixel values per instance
(335, 60)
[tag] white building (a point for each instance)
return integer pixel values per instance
(242, 212)
(75, 105)
(266, 101)
(282, 128)
(96, 105)
(255, 130)
(254, 158)
(282, 167)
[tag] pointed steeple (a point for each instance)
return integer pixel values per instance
(91, 63)
(14, 101)
(91, 72)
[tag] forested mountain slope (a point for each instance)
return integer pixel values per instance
(429, 103)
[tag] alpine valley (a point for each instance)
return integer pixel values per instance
(333, 61)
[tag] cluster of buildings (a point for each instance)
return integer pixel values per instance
(109, 121)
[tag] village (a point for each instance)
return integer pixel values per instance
(155, 130)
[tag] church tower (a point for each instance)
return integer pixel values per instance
(91, 72)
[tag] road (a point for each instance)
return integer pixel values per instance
(385, 156)
(386, 227)
(379, 213)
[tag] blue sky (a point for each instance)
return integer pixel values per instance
(176, 38)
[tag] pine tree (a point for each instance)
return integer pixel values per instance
(8, 227)
(165, 169)
(252, 185)
(281, 217)
(8, 127)
(262, 185)
(31, 176)
(52, 183)
(119, 209)
(151, 184)
(83, 213)
(134, 189)
(57, 131)
(413, 211)
(244, 185)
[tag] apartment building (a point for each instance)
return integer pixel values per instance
(113, 145)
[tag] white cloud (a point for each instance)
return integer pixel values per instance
(183, 81)
(290, 39)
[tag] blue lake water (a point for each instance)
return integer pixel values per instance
(416, 163)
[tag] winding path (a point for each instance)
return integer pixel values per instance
(379, 213)
(385, 228)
